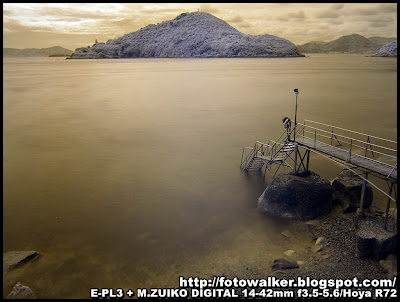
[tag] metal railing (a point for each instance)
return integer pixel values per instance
(258, 149)
(271, 149)
(367, 144)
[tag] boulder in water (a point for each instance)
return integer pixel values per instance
(297, 196)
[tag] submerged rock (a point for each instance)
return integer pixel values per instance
(15, 258)
(301, 196)
(347, 189)
(284, 264)
(20, 291)
(197, 34)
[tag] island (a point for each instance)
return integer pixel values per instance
(190, 35)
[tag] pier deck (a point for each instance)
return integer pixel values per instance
(355, 159)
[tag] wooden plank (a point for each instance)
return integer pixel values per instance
(358, 160)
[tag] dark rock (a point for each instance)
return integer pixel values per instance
(13, 259)
(390, 265)
(301, 196)
(287, 234)
(373, 241)
(284, 264)
(20, 291)
(347, 189)
(317, 248)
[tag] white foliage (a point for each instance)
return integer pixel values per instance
(197, 34)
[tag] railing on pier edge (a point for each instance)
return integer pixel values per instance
(369, 146)
(348, 142)
(362, 144)
(271, 150)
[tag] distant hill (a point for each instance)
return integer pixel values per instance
(387, 50)
(35, 52)
(189, 35)
(349, 44)
(381, 41)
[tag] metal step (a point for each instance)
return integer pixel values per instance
(288, 148)
(256, 163)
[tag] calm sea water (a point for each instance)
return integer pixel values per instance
(125, 173)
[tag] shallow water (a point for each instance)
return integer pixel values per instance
(125, 173)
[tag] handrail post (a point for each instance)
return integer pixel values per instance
(315, 138)
(366, 147)
(351, 144)
(296, 91)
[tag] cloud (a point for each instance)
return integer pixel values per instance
(388, 7)
(299, 15)
(163, 10)
(370, 11)
(328, 14)
(234, 19)
(84, 22)
(378, 24)
(209, 8)
(337, 6)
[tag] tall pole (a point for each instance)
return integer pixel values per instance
(296, 91)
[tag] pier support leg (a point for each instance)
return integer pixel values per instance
(300, 164)
(363, 195)
(388, 206)
(308, 159)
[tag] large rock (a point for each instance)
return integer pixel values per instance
(347, 189)
(390, 265)
(15, 258)
(20, 291)
(189, 35)
(301, 196)
(373, 241)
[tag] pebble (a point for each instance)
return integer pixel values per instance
(290, 252)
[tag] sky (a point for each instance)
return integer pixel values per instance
(73, 25)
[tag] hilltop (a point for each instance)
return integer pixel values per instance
(352, 43)
(189, 35)
(35, 52)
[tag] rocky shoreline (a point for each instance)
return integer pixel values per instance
(345, 242)
(342, 244)
(338, 259)
(330, 254)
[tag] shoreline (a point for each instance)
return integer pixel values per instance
(338, 260)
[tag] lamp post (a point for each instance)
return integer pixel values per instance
(296, 91)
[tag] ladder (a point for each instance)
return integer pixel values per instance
(266, 154)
